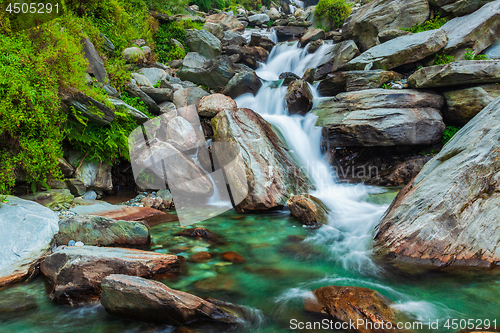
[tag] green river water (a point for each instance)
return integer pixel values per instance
(283, 264)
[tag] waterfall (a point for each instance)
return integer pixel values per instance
(351, 219)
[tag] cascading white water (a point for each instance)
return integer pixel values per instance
(352, 219)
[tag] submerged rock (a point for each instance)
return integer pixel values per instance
(233, 257)
(381, 117)
(16, 304)
(350, 304)
(447, 217)
(101, 231)
(27, 232)
(136, 298)
(200, 233)
(308, 209)
(262, 173)
(76, 272)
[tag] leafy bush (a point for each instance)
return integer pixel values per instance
(443, 59)
(107, 143)
(448, 133)
(435, 23)
(177, 30)
(335, 11)
(34, 65)
(166, 6)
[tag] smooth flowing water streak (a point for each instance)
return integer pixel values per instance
(351, 219)
(269, 33)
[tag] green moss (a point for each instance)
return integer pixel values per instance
(443, 59)
(435, 23)
(469, 55)
(335, 11)
(448, 133)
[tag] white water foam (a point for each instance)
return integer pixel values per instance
(352, 219)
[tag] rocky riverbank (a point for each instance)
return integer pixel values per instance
(406, 93)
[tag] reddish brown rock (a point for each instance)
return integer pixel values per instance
(253, 55)
(233, 257)
(308, 209)
(200, 256)
(352, 304)
(129, 213)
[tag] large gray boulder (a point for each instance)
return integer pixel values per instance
(232, 38)
(214, 73)
(211, 105)
(258, 19)
(203, 42)
(229, 22)
(216, 29)
(311, 35)
(263, 166)
(338, 82)
(399, 51)
(364, 25)
(459, 7)
(243, 83)
(145, 300)
(448, 216)
(381, 117)
(189, 96)
(101, 231)
(463, 104)
(159, 95)
(456, 73)
(475, 31)
(153, 75)
(28, 229)
(76, 272)
(338, 55)
(182, 173)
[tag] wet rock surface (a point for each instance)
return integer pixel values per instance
(76, 272)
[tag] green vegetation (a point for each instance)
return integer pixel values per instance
(335, 11)
(435, 23)
(135, 102)
(386, 86)
(469, 55)
(107, 144)
(34, 66)
(174, 30)
(443, 59)
(448, 133)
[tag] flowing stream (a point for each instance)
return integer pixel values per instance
(284, 261)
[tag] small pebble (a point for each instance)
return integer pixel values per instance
(80, 244)
(71, 243)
